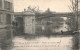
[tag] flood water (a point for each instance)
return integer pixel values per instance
(31, 42)
(43, 43)
(59, 42)
(53, 27)
(64, 27)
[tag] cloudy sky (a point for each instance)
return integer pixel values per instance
(54, 5)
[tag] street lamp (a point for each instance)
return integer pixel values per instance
(76, 15)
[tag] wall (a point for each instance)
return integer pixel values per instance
(29, 24)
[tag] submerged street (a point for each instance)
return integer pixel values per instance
(40, 42)
(43, 43)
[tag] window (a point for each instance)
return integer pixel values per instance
(8, 19)
(7, 5)
(0, 18)
(0, 4)
(32, 19)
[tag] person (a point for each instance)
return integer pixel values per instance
(62, 31)
(14, 23)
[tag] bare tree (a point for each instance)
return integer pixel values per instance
(34, 9)
(74, 9)
(72, 6)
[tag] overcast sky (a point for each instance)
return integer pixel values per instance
(54, 5)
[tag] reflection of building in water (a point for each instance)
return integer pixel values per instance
(54, 24)
(6, 14)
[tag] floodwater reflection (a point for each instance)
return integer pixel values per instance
(52, 28)
(63, 27)
(37, 42)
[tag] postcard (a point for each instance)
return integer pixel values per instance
(39, 25)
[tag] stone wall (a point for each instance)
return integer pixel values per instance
(29, 24)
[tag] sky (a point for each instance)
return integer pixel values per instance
(54, 5)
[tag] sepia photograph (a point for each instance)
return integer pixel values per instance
(39, 25)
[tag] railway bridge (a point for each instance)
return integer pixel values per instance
(48, 15)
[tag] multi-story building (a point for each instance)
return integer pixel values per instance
(6, 14)
(6, 11)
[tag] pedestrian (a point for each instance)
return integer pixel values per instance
(62, 31)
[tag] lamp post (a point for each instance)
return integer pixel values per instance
(76, 14)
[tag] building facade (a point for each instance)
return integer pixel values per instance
(25, 21)
(6, 14)
(6, 11)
